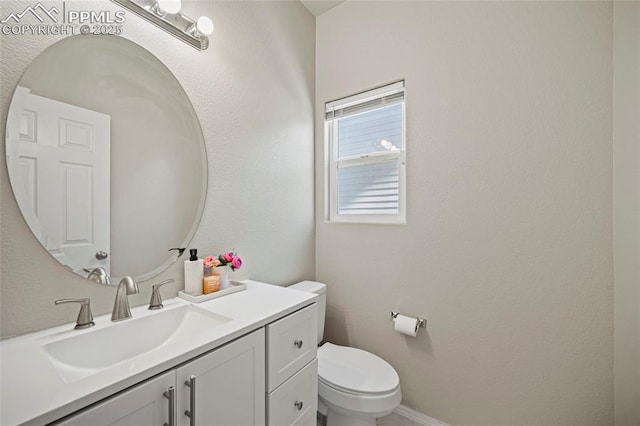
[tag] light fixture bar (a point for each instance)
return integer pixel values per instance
(178, 25)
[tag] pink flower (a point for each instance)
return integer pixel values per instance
(210, 261)
(236, 263)
(228, 257)
(216, 262)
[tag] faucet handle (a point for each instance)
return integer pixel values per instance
(156, 299)
(85, 319)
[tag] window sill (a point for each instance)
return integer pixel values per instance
(365, 221)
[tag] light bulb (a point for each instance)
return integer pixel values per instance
(169, 6)
(204, 25)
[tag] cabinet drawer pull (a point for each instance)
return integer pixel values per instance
(170, 394)
(298, 343)
(298, 405)
(191, 412)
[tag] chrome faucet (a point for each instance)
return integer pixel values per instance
(121, 309)
(98, 275)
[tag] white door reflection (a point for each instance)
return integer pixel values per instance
(61, 153)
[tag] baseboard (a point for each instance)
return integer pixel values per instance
(417, 417)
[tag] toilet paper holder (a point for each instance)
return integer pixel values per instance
(420, 322)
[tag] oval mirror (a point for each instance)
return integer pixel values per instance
(106, 157)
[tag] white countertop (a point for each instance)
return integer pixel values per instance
(32, 391)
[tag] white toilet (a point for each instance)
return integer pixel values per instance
(355, 387)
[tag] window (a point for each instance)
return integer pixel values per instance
(366, 156)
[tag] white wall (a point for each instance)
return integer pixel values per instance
(253, 91)
(626, 220)
(508, 246)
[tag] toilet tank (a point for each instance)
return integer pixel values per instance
(321, 290)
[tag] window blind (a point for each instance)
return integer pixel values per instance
(366, 133)
(367, 101)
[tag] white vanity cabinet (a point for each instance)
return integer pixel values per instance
(269, 376)
(292, 369)
(225, 387)
(256, 366)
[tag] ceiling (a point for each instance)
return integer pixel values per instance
(318, 7)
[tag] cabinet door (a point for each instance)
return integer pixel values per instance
(228, 383)
(142, 405)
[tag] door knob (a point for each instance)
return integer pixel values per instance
(102, 255)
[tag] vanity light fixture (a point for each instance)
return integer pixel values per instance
(166, 15)
(169, 6)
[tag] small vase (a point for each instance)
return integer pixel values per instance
(223, 271)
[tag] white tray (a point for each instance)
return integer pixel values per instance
(235, 287)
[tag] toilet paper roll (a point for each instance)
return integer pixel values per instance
(405, 325)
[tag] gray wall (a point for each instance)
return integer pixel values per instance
(626, 201)
(253, 91)
(508, 244)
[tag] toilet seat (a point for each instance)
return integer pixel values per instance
(355, 371)
(355, 380)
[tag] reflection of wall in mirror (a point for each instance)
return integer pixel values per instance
(59, 164)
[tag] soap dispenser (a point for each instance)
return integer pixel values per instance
(193, 274)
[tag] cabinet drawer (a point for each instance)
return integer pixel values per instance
(296, 401)
(291, 344)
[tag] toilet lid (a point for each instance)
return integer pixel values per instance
(355, 370)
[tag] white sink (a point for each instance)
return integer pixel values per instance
(93, 351)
